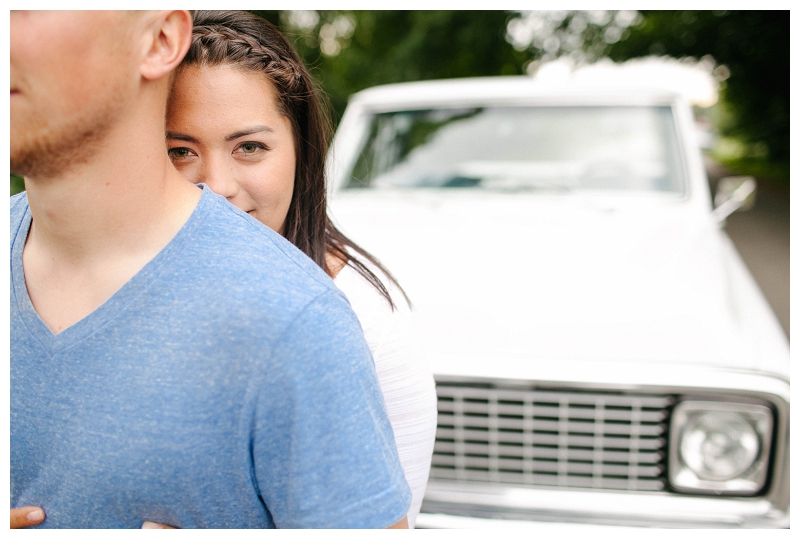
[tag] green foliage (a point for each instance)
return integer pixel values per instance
(17, 184)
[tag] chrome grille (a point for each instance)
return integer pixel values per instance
(504, 433)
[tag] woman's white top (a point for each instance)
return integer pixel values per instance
(405, 380)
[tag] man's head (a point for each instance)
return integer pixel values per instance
(74, 74)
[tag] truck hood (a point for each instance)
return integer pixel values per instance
(506, 280)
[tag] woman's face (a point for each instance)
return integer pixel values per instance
(224, 129)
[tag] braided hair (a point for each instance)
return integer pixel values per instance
(246, 40)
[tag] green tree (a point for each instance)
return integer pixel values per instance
(17, 184)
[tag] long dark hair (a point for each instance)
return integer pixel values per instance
(246, 40)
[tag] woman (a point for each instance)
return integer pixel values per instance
(245, 118)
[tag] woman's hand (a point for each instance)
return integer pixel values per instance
(24, 517)
(155, 526)
(402, 524)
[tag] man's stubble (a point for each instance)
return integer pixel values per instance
(47, 148)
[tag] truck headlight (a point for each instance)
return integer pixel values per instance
(719, 447)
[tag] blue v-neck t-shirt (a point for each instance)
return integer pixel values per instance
(226, 385)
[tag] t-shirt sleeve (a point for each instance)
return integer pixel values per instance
(323, 450)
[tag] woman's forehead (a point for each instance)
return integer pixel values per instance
(225, 87)
(217, 104)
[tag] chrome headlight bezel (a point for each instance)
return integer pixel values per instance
(684, 477)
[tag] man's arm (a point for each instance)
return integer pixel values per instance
(323, 448)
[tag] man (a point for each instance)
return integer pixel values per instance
(171, 359)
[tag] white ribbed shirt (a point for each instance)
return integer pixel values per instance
(405, 379)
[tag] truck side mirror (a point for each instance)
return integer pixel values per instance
(733, 193)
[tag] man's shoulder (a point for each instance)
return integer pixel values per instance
(18, 205)
(233, 231)
(239, 252)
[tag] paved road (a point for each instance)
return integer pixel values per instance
(762, 237)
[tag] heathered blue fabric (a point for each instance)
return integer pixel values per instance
(227, 384)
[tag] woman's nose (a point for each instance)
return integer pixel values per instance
(221, 179)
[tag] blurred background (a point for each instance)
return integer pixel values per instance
(733, 65)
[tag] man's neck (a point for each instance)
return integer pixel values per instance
(98, 224)
(124, 196)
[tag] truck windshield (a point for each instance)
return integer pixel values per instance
(522, 148)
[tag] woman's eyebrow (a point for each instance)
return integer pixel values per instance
(180, 136)
(249, 131)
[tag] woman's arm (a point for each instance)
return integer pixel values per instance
(399, 525)
(409, 393)
(406, 382)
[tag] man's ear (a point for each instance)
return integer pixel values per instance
(168, 40)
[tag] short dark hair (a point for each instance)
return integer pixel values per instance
(246, 40)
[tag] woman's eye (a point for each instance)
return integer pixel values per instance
(179, 153)
(251, 147)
